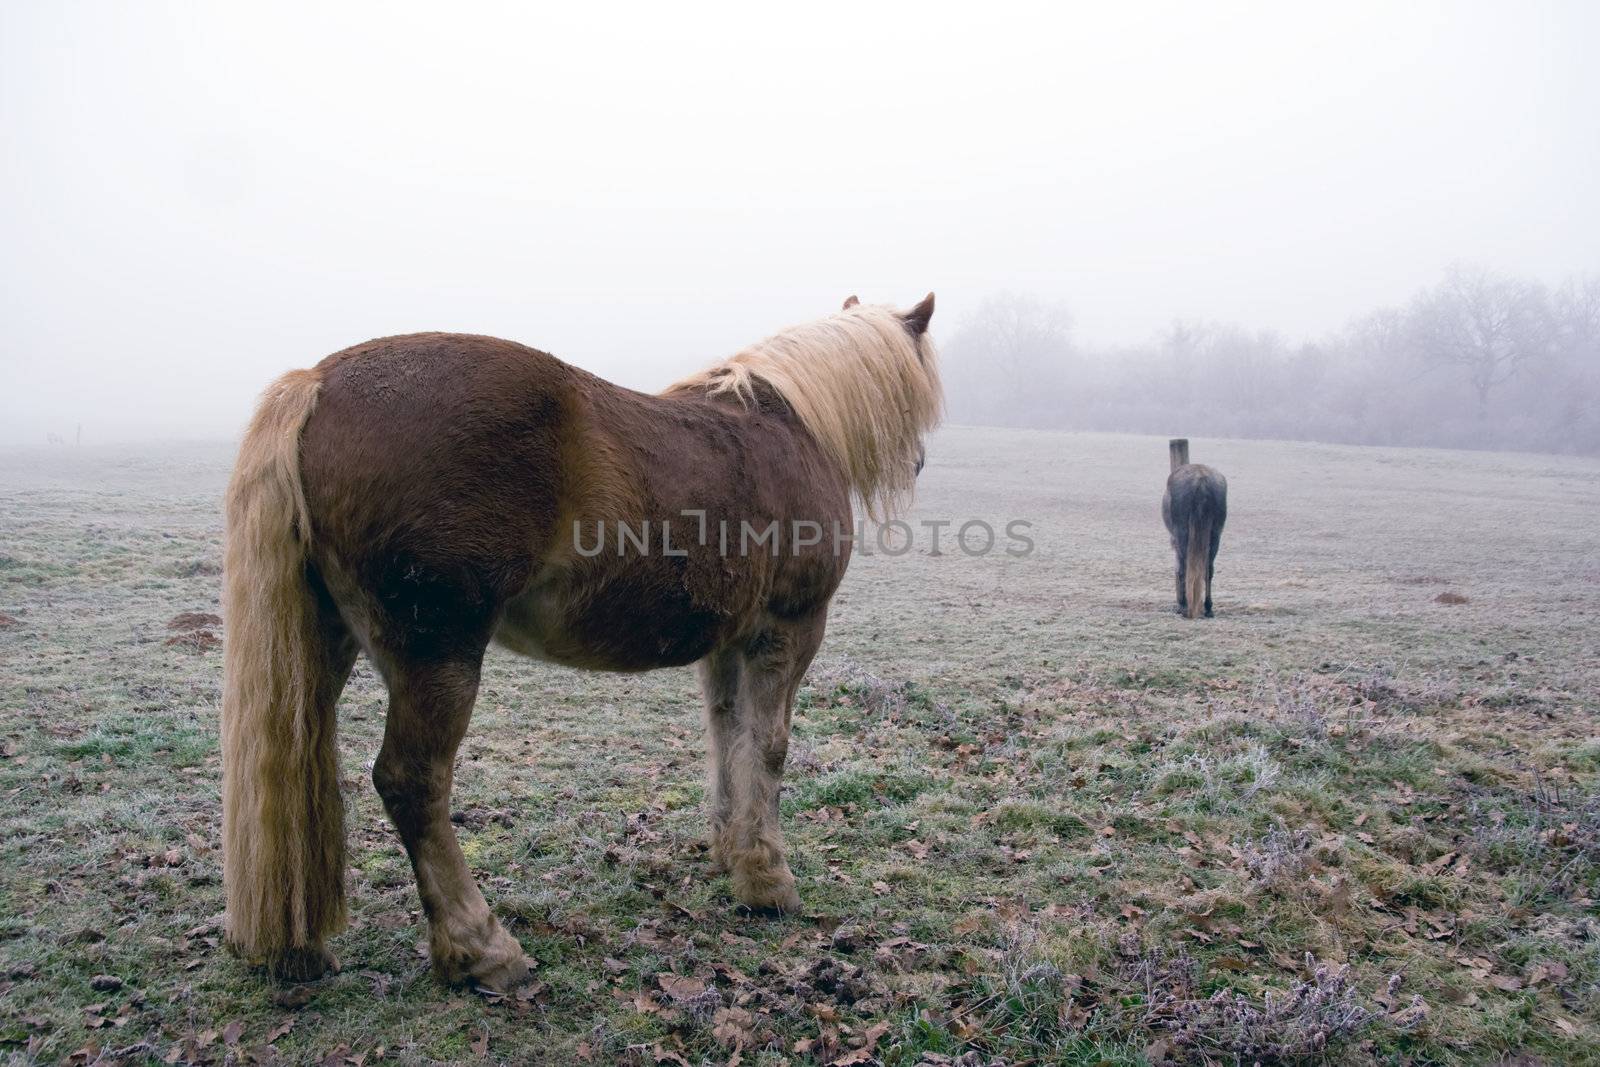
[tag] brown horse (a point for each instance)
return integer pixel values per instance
(1194, 508)
(417, 497)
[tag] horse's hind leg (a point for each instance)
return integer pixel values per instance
(749, 840)
(1211, 564)
(1180, 545)
(429, 706)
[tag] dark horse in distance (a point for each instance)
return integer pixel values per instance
(1194, 507)
(416, 498)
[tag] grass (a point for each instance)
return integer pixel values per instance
(1035, 817)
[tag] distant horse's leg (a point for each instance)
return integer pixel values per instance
(751, 841)
(1180, 545)
(1211, 565)
(719, 684)
(429, 706)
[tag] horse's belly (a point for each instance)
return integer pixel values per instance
(524, 632)
(614, 628)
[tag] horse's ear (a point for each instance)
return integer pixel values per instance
(916, 319)
(850, 302)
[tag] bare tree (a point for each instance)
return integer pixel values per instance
(1404, 375)
(1485, 325)
(1379, 336)
(1577, 315)
(1009, 360)
(1021, 334)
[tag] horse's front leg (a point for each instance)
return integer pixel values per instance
(754, 742)
(429, 707)
(719, 685)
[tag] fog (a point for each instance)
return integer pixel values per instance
(195, 198)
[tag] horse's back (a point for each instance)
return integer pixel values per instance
(448, 476)
(426, 388)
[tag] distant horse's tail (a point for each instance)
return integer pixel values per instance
(282, 812)
(1198, 558)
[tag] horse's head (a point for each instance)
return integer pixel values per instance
(916, 320)
(916, 324)
(864, 382)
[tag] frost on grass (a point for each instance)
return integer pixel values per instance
(1141, 994)
(1316, 1013)
(845, 681)
(844, 678)
(1325, 704)
(1277, 857)
(974, 743)
(1548, 841)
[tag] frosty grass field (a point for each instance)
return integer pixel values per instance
(1036, 817)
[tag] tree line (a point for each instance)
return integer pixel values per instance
(1479, 360)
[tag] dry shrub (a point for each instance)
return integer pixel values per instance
(1277, 857)
(847, 679)
(1315, 1014)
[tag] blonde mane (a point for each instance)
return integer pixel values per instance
(863, 386)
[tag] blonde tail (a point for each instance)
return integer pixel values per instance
(1196, 564)
(282, 812)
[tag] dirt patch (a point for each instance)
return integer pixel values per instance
(8, 621)
(194, 620)
(1450, 598)
(195, 640)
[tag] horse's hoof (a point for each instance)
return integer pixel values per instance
(501, 976)
(301, 964)
(497, 967)
(767, 893)
(749, 912)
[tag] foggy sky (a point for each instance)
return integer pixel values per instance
(196, 198)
